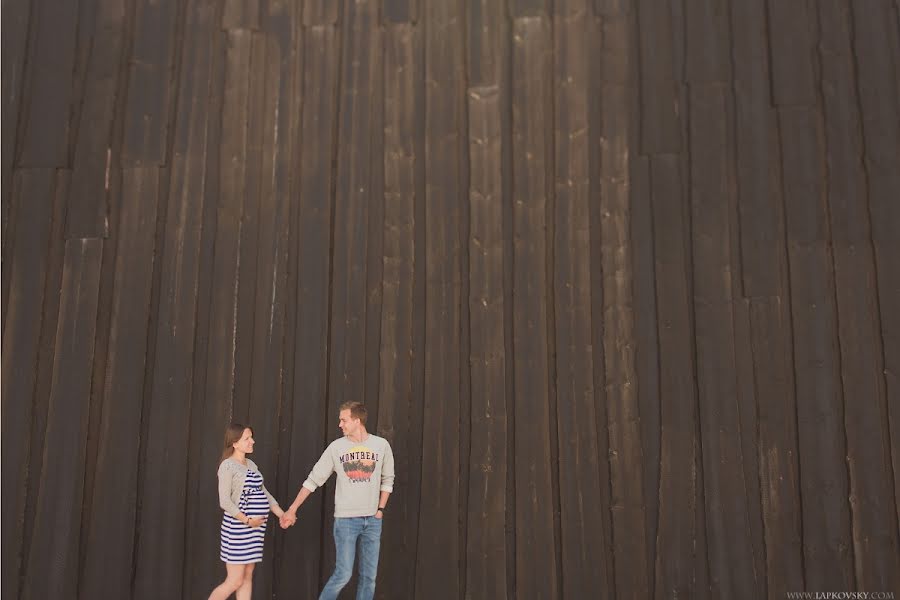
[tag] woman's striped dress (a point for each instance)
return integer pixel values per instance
(242, 544)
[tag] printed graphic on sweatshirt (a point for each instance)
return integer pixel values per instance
(359, 464)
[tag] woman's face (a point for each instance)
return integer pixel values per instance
(245, 444)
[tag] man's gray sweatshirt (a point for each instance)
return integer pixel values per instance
(364, 470)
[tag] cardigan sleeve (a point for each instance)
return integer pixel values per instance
(226, 478)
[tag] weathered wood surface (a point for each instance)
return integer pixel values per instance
(618, 279)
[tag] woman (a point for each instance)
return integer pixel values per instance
(246, 503)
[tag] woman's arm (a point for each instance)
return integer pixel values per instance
(226, 478)
(273, 504)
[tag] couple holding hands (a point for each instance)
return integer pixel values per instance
(364, 465)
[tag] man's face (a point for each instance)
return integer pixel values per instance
(348, 424)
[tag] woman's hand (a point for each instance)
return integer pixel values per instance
(288, 519)
(256, 521)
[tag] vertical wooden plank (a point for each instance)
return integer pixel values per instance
(486, 51)
(748, 416)
(34, 192)
(730, 546)
(281, 20)
(256, 147)
(820, 402)
(162, 488)
(621, 335)
(862, 368)
(312, 234)
(399, 11)
(267, 382)
(647, 349)
(778, 455)
(488, 554)
(463, 234)
(396, 350)
(110, 536)
(613, 8)
(216, 400)
(758, 155)
(764, 277)
(612, 42)
(660, 125)
(487, 550)
(855, 291)
(46, 357)
(528, 8)
(361, 50)
(241, 14)
(101, 354)
(582, 537)
(419, 321)
(678, 477)
(820, 406)
(152, 73)
(791, 47)
(537, 569)
(707, 57)
(15, 26)
(375, 234)
(52, 567)
(44, 138)
(506, 174)
(88, 214)
(439, 516)
(202, 564)
(746, 385)
(320, 12)
(874, 33)
(486, 541)
(847, 190)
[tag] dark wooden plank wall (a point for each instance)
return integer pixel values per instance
(619, 280)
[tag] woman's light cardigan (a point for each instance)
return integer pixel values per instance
(231, 483)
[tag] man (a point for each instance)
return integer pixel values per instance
(364, 465)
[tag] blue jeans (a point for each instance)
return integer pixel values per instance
(348, 532)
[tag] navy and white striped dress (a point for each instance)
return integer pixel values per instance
(242, 544)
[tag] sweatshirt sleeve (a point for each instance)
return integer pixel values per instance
(225, 478)
(320, 472)
(387, 470)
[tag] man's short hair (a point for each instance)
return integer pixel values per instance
(357, 410)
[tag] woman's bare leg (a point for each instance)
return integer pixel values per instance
(243, 592)
(233, 581)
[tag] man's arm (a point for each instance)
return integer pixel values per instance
(302, 495)
(382, 502)
(317, 477)
(387, 478)
(387, 471)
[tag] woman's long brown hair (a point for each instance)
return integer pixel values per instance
(233, 433)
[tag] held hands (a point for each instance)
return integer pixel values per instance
(288, 519)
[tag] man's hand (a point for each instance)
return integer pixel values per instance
(288, 519)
